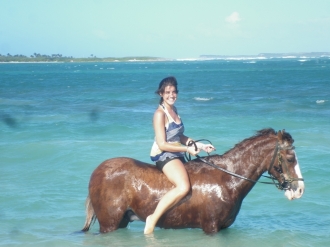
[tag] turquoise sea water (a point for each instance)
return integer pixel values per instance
(59, 121)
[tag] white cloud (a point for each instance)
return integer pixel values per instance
(233, 18)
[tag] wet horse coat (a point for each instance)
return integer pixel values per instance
(123, 189)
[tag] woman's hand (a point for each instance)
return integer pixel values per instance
(208, 148)
(191, 150)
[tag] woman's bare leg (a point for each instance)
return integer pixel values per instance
(177, 175)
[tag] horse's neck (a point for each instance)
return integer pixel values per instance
(250, 160)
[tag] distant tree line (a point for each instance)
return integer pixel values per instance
(37, 57)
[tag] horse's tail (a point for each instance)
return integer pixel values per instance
(90, 215)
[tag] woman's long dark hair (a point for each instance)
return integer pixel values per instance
(168, 81)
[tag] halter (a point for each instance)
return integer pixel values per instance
(285, 185)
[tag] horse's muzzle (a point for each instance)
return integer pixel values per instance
(294, 192)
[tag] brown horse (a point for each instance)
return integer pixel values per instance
(123, 189)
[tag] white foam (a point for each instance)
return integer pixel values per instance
(202, 99)
(321, 101)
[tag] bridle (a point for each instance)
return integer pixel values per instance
(286, 183)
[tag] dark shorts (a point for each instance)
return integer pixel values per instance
(160, 164)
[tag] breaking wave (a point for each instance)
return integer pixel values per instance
(202, 99)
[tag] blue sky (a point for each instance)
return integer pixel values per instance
(169, 28)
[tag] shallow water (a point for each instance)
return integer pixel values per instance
(59, 121)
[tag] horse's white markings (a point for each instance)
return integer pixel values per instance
(298, 172)
(290, 194)
(301, 185)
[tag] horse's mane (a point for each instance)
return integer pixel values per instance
(264, 132)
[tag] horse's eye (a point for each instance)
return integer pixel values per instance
(291, 160)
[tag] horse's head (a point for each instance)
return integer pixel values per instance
(285, 167)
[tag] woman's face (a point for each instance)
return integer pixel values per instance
(169, 96)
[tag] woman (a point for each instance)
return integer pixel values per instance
(168, 150)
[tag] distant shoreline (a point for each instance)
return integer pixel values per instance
(274, 55)
(60, 59)
(47, 59)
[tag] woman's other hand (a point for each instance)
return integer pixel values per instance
(191, 150)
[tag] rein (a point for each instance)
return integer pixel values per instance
(282, 186)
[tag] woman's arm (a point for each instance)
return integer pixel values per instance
(185, 140)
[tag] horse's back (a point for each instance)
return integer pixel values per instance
(126, 162)
(118, 169)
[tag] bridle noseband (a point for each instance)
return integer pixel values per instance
(286, 183)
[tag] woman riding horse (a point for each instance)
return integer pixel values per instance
(125, 189)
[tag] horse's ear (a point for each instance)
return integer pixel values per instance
(284, 138)
(280, 135)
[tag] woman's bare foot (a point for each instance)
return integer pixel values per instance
(149, 227)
